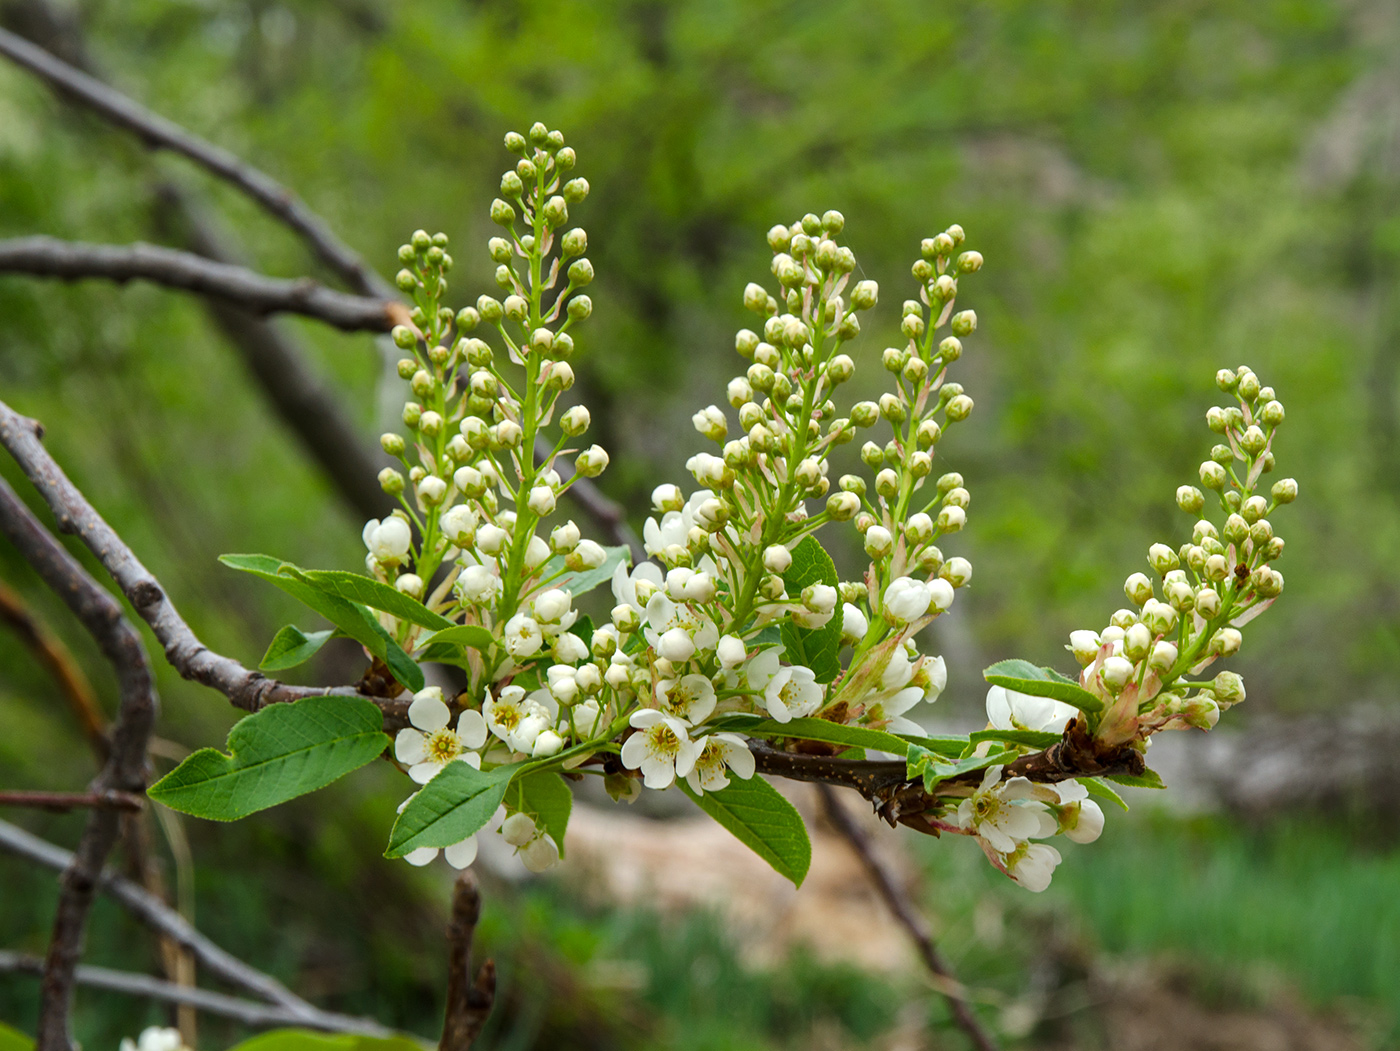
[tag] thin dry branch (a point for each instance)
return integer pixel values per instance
(125, 769)
(54, 655)
(161, 918)
(247, 1012)
(105, 799)
(470, 997)
(159, 133)
(245, 689)
(908, 917)
(244, 288)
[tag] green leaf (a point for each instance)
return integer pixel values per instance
(1025, 677)
(470, 636)
(306, 1040)
(950, 746)
(934, 770)
(763, 821)
(1030, 738)
(449, 808)
(12, 1039)
(546, 796)
(770, 635)
(585, 580)
(832, 733)
(291, 647)
(1098, 788)
(373, 593)
(816, 648)
(1147, 779)
(277, 754)
(350, 617)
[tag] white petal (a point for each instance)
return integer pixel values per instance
(424, 772)
(421, 856)
(410, 746)
(657, 773)
(634, 751)
(471, 728)
(999, 708)
(462, 854)
(428, 713)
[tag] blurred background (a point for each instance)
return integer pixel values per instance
(1160, 189)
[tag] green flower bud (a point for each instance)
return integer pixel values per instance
(538, 133)
(1254, 509)
(580, 273)
(1272, 414)
(422, 383)
(575, 190)
(928, 434)
(950, 349)
(1274, 549)
(405, 281)
(468, 318)
(970, 262)
(391, 481)
(490, 309)
(865, 295)
(863, 413)
(1248, 388)
(964, 323)
(1138, 588)
(500, 249)
(959, 408)
(922, 270)
(943, 288)
(515, 142)
(933, 247)
(892, 408)
(893, 359)
(840, 369)
(412, 413)
(476, 351)
(950, 481)
(761, 376)
(407, 256)
(912, 326)
(421, 241)
(407, 367)
(1212, 475)
(502, 214)
(505, 278)
(1207, 602)
(1285, 491)
(872, 455)
(916, 370)
(391, 443)
(1260, 533)
(1190, 499)
(1253, 440)
(1162, 558)
(516, 308)
(1228, 689)
(565, 159)
(580, 307)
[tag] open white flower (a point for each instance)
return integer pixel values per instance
(518, 720)
(388, 540)
(792, 694)
(1032, 864)
(906, 599)
(674, 527)
(993, 815)
(522, 636)
(1010, 710)
(1081, 819)
(624, 584)
(661, 749)
(691, 698)
(428, 745)
(720, 751)
(677, 631)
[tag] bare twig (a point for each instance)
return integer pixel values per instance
(907, 916)
(54, 655)
(250, 291)
(161, 918)
(124, 771)
(158, 133)
(248, 1012)
(249, 690)
(469, 997)
(606, 513)
(104, 799)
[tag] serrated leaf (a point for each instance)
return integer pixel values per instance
(449, 808)
(816, 648)
(1029, 738)
(546, 796)
(585, 580)
(1025, 677)
(307, 1040)
(1098, 788)
(760, 818)
(471, 636)
(922, 763)
(829, 732)
(1147, 779)
(770, 635)
(277, 754)
(291, 647)
(375, 594)
(350, 617)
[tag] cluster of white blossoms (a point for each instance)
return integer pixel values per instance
(155, 1038)
(1140, 667)
(737, 644)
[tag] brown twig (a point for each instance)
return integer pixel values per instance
(249, 690)
(469, 996)
(246, 289)
(158, 133)
(908, 917)
(104, 799)
(55, 656)
(161, 918)
(247, 1012)
(124, 771)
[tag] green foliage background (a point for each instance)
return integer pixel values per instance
(1159, 189)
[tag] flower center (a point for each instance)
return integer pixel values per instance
(506, 716)
(663, 740)
(444, 745)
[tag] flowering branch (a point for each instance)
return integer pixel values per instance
(253, 292)
(158, 133)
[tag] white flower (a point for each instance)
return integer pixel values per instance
(662, 750)
(1032, 865)
(792, 693)
(479, 586)
(906, 599)
(624, 584)
(410, 584)
(490, 539)
(720, 751)
(536, 552)
(731, 651)
(777, 559)
(428, 745)
(563, 683)
(550, 606)
(1116, 672)
(590, 554)
(1084, 645)
(676, 645)
(878, 541)
(1081, 819)
(675, 627)
(546, 744)
(541, 500)
(522, 636)
(458, 523)
(853, 623)
(992, 814)
(388, 541)
(940, 594)
(432, 490)
(459, 855)
(885, 708)
(518, 829)
(1010, 710)
(569, 648)
(674, 527)
(539, 854)
(691, 698)
(154, 1038)
(516, 719)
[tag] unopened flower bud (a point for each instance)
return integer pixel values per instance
(1226, 642)
(1212, 475)
(580, 306)
(957, 571)
(575, 421)
(964, 323)
(1285, 491)
(1248, 388)
(1084, 645)
(1252, 440)
(1116, 673)
(842, 507)
(626, 619)
(1138, 588)
(1137, 640)
(1190, 499)
(951, 519)
(391, 481)
(959, 408)
(865, 295)
(1228, 688)
(878, 542)
(591, 462)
